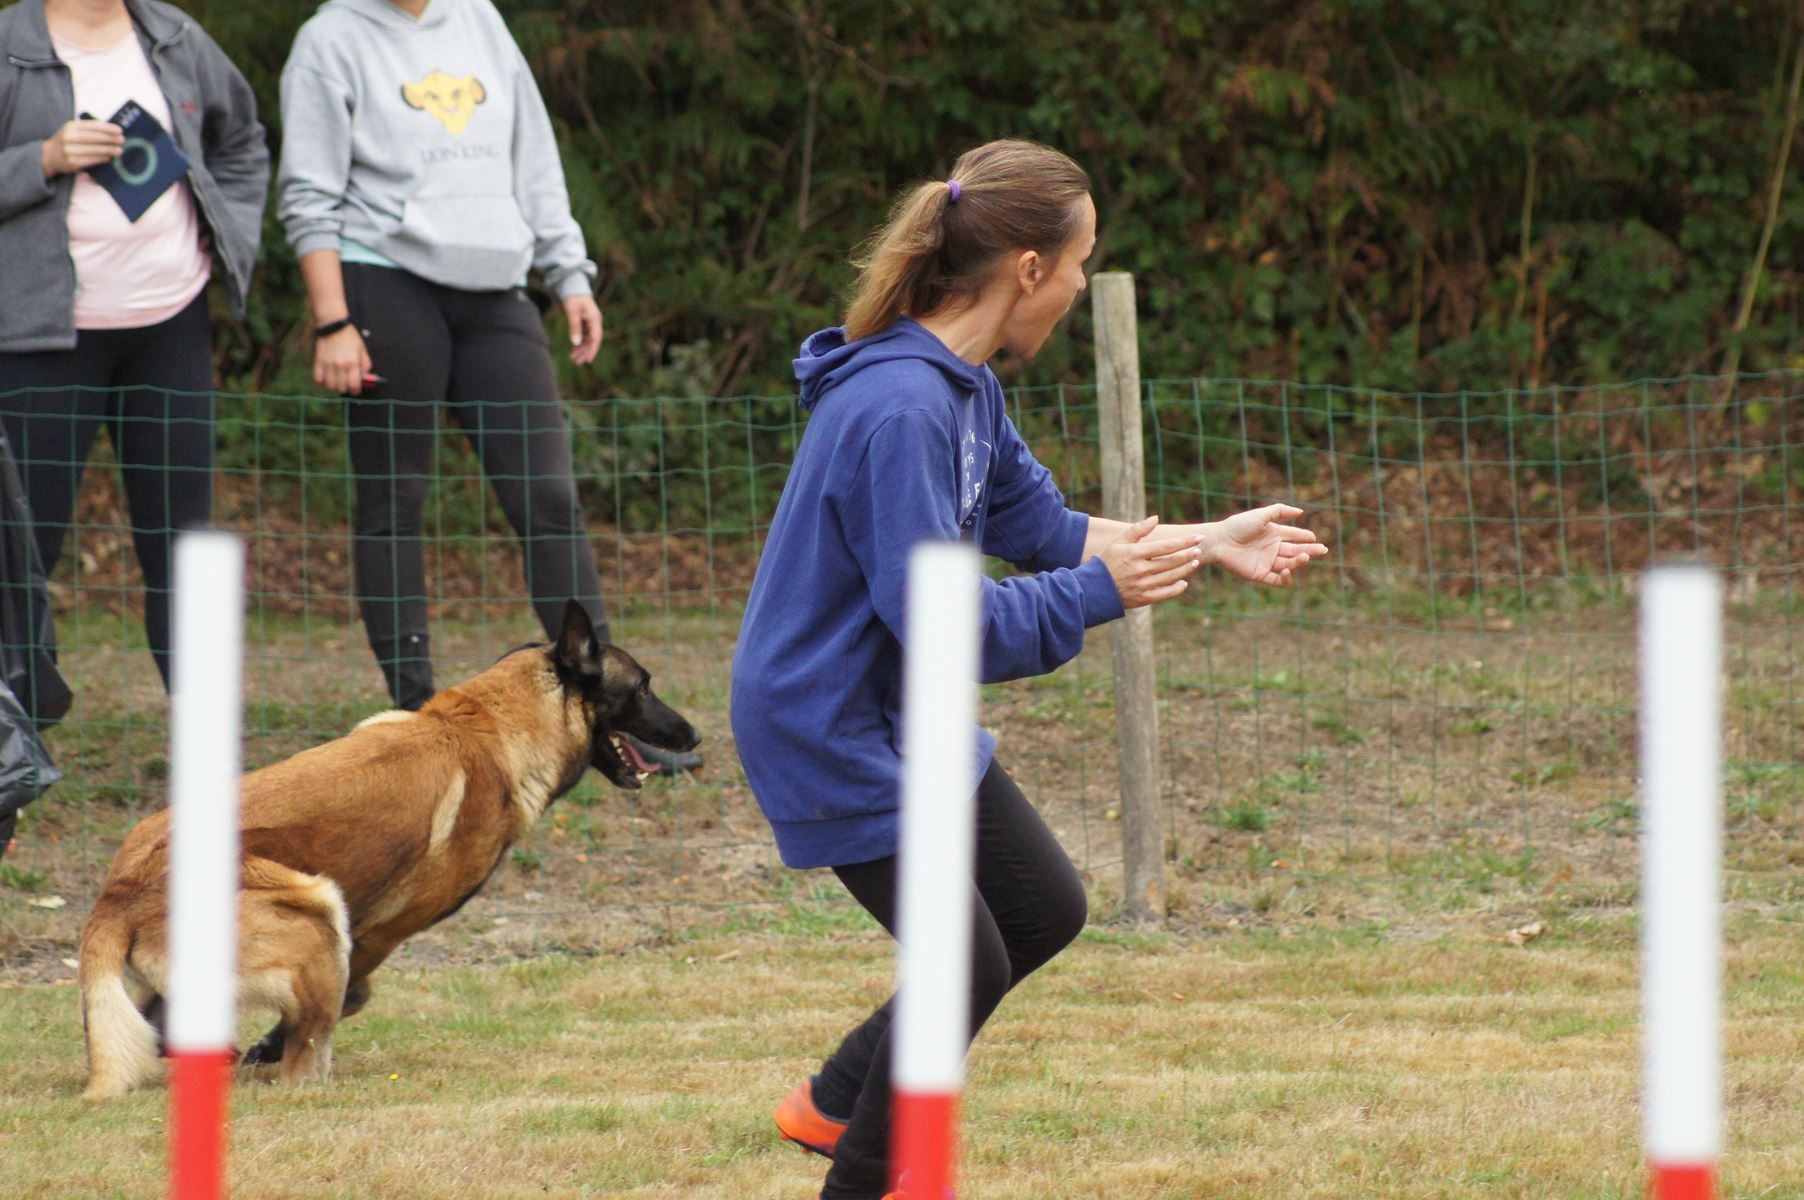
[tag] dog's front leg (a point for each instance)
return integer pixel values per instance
(356, 996)
(268, 1049)
(155, 1011)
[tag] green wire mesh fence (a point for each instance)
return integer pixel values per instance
(1452, 697)
(1442, 712)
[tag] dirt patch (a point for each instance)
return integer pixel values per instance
(1316, 771)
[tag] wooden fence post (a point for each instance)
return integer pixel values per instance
(1124, 499)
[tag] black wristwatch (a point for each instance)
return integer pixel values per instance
(332, 327)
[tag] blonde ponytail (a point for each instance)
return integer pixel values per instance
(944, 239)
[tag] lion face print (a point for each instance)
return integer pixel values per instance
(452, 99)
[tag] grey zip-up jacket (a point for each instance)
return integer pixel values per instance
(427, 142)
(215, 118)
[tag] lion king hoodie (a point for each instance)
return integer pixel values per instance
(906, 442)
(424, 144)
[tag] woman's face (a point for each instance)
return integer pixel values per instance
(1049, 287)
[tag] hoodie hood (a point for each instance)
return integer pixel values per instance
(827, 360)
(383, 12)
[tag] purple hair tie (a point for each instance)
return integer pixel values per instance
(953, 184)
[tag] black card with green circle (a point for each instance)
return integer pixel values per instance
(148, 166)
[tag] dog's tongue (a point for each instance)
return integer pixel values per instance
(638, 760)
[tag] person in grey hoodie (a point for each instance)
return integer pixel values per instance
(419, 185)
(103, 315)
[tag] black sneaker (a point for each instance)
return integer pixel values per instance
(664, 762)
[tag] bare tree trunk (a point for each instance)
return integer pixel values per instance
(1528, 221)
(1528, 241)
(1732, 364)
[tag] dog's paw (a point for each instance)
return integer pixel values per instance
(266, 1052)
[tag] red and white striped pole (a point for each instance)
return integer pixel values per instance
(206, 705)
(1681, 880)
(933, 921)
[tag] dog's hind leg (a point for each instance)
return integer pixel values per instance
(319, 987)
(268, 1049)
(295, 948)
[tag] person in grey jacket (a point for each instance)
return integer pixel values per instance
(419, 185)
(103, 315)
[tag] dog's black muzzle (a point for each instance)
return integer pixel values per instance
(650, 721)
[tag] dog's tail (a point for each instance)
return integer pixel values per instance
(122, 1045)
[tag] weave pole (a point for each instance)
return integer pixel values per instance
(933, 919)
(206, 704)
(1681, 880)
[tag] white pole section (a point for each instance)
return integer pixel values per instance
(1681, 880)
(933, 921)
(206, 706)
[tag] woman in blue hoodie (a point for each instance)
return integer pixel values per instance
(909, 440)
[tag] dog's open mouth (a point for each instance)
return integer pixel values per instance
(629, 754)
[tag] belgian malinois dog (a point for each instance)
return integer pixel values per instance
(352, 847)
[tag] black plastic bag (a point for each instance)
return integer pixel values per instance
(25, 766)
(27, 637)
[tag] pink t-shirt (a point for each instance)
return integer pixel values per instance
(128, 274)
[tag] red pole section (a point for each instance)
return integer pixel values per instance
(1681, 880)
(206, 706)
(933, 921)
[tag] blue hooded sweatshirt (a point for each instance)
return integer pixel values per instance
(907, 442)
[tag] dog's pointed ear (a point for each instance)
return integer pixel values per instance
(577, 650)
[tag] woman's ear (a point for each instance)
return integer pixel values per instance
(1030, 271)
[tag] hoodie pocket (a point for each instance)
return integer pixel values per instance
(479, 243)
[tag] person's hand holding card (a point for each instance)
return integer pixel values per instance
(147, 165)
(81, 144)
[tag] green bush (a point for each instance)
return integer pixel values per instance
(1427, 195)
(1327, 192)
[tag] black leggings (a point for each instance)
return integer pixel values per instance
(152, 389)
(485, 355)
(1029, 905)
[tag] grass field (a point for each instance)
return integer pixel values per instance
(1364, 802)
(1347, 1064)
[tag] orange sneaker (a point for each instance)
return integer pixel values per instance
(799, 1121)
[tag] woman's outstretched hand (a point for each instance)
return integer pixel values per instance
(1149, 569)
(1256, 545)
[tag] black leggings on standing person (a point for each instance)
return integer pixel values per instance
(1029, 905)
(485, 356)
(151, 388)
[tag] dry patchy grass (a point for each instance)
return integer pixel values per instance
(1252, 1066)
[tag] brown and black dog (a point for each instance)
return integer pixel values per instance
(351, 847)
